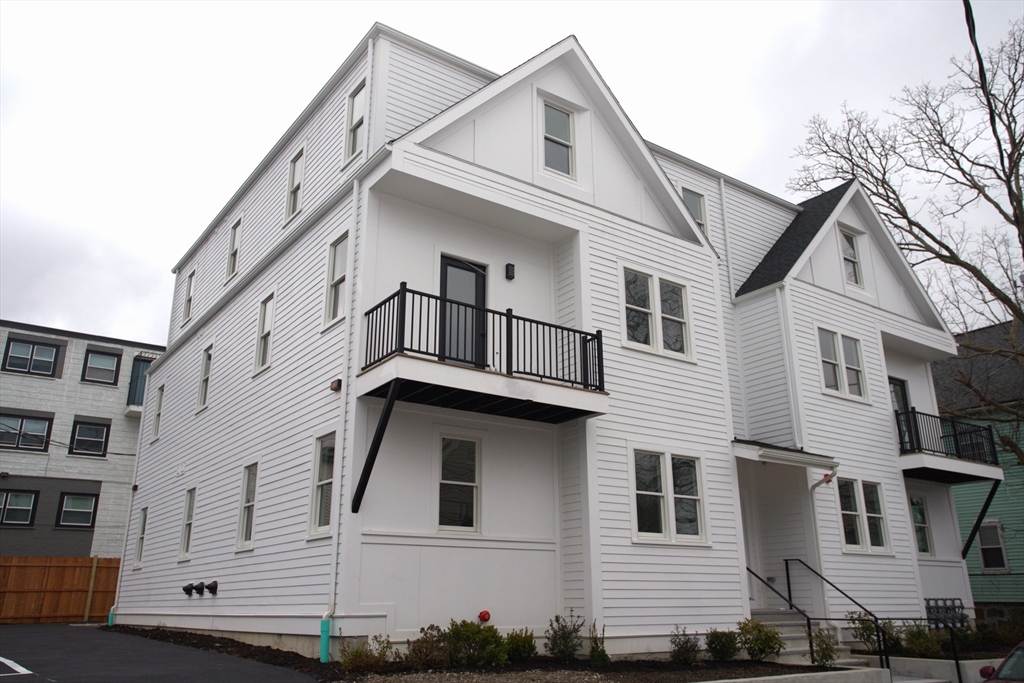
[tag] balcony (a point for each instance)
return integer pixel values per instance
(454, 355)
(945, 450)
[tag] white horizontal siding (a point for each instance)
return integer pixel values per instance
(571, 510)
(765, 375)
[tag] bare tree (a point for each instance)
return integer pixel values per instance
(944, 171)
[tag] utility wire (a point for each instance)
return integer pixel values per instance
(57, 443)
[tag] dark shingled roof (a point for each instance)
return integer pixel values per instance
(779, 260)
(996, 376)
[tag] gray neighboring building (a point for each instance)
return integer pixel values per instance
(70, 405)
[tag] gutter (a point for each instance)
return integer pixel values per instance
(814, 521)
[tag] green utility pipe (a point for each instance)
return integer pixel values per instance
(325, 640)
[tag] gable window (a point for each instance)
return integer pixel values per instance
(295, 171)
(324, 487)
(25, 433)
(185, 545)
(89, 439)
(655, 312)
(77, 510)
(30, 358)
(459, 491)
(667, 496)
(18, 507)
(204, 377)
(992, 548)
(843, 373)
(158, 411)
(851, 258)
(233, 248)
(695, 204)
(141, 537)
(266, 327)
(558, 143)
(860, 505)
(356, 118)
(102, 368)
(919, 515)
(336, 272)
(247, 512)
(186, 310)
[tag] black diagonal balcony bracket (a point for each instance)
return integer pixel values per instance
(378, 437)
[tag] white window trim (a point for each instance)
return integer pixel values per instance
(353, 123)
(460, 435)
(1002, 544)
(315, 531)
(570, 143)
(187, 525)
(205, 374)
(188, 303)
(656, 347)
(94, 497)
(865, 548)
(241, 544)
(290, 184)
(140, 537)
(702, 224)
(234, 249)
(927, 525)
(670, 537)
(331, 281)
(158, 412)
(262, 328)
(857, 260)
(843, 391)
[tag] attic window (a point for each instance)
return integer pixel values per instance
(558, 140)
(695, 204)
(851, 258)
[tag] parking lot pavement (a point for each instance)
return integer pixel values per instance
(63, 653)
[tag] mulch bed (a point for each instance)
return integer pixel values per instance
(539, 668)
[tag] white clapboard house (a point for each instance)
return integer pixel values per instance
(468, 342)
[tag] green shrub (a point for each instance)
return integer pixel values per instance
(365, 657)
(759, 640)
(826, 647)
(919, 641)
(863, 629)
(429, 651)
(563, 636)
(470, 644)
(599, 658)
(722, 645)
(685, 648)
(520, 645)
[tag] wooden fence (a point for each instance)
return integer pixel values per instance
(56, 589)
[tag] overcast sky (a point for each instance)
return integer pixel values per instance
(125, 127)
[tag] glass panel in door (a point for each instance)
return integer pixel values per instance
(463, 329)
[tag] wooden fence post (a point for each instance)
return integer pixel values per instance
(92, 584)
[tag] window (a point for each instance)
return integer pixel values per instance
(102, 368)
(356, 117)
(851, 259)
(459, 496)
(324, 487)
(89, 439)
(338, 262)
(141, 538)
(137, 382)
(266, 327)
(204, 377)
(158, 411)
(25, 433)
(667, 496)
(670, 331)
(248, 510)
(558, 140)
(695, 204)
(186, 311)
(77, 510)
(295, 171)
(919, 515)
(992, 548)
(185, 546)
(18, 507)
(841, 374)
(233, 248)
(860, 505)
(30, 358)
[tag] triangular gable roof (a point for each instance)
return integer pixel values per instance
(619, 124)
(780, 260)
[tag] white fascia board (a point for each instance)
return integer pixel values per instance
(822, 231)
(978, 470)
(782, 456)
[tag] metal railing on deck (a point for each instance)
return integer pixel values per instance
(924, 433)
(409, 321)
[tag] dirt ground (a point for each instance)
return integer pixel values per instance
(538, 670)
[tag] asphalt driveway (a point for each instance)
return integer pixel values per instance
(83, 654)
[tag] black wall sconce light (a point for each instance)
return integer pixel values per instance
(188, 588)
(510, 271)
(336, 385)
(212, 587)
(200, 587)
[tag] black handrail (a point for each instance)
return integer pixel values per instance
(409, 321)
(810, 630)
(923, 433)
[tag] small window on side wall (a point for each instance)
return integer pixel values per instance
(140, 538)
(336, 273)
(356, 120)
(296, 169)
(233, 241)
(558, 140)
(992, 548)
(841, 366)
(667, 496)
(205, 367)
(863, 516)
(695, 204)
(851, 258)
(186, 309)
(18, 508)
(77, 510)
(265, 332)
(89, 439)
(101, 368)
(460, 484)
(323, 489)
(247, 513)
(655, 313)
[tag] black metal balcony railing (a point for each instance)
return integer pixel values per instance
(924, 433)
(415, 322)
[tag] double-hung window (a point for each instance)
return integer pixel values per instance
(18, 508)
(295, 172)
(459, 499)
(77, 510)
(25, 433)
(186, 309)
(851, 258)
(324, 486)
(185, 545)
(247, 513)
(919, 516)
(265, 329)
(695, 204)
(233, 237)
(863, 515)
(558, 142)
(140, 538)
(101, 368)
(204, 377)
(656, 312)
(841, 365)
(356, 120)
(992, 548)
(336, 272)
(667, 496)
(89, 438)
(30, 358)
(158, 411)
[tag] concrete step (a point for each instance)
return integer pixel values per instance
(911, 679)
(853, 662)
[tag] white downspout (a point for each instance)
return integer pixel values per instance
(814, 524)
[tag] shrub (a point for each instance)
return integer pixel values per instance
(520, 645)
(685, 648)
(368, 656)
(563, 636)
(826, 647)
(599, 658)
(863, 629)
(722, 645)
(470, 644)
(919, 641)
(429, 651)
(759, 640)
